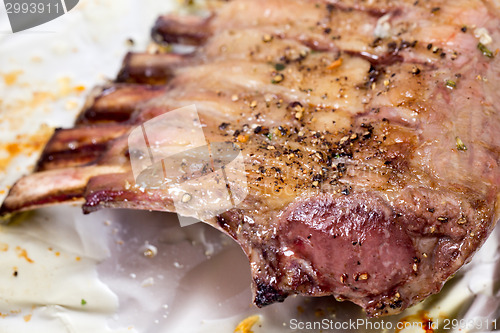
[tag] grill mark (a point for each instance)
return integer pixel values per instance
(59, 186)
(84, 155)
(152, 69)
(78, 147)
(175, 29)
(116, 103)
(69, 195)
(111, 190)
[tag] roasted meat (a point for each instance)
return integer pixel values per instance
(369, 131)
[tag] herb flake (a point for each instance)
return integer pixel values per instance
(451, 84)
(460, 144)
(485, 51)
(279, 67)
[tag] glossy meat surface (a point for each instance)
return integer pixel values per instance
(369, 130)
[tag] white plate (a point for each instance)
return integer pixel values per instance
(79, 273)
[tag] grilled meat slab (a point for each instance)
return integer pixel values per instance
(370, 132)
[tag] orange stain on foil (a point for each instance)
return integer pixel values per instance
(11, 77)
(39, 98)
(66, 88)
(22, 253)
(24, 144)
(27, 318)
(13, 148)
